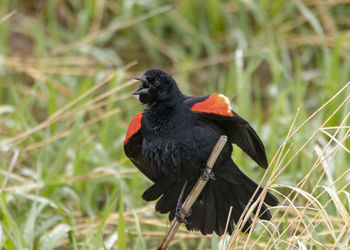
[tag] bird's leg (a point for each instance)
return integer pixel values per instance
(179, 207)
(206, 175)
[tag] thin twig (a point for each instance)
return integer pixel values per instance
(196, 190)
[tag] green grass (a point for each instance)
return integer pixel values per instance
(70, 185)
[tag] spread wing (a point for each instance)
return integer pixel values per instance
(133, 147)
(217, 108)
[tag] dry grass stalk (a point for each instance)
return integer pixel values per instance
(174, 226)
(10, 169)
(296, 224)
(3, 19)
(92, 37)
(61, 112)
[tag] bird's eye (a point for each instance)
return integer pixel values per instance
(156, 84)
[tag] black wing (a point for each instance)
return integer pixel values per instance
(237, 130)
(133, 150)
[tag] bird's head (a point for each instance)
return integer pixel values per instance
(157, 87)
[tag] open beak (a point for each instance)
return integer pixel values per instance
(144, 88)
(141, 91)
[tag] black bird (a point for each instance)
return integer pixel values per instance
(170, 142)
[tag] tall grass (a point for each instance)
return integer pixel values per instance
(65, 104)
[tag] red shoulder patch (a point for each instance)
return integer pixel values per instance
(215, 104)
(134, 126)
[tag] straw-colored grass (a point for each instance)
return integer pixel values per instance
(66, 70)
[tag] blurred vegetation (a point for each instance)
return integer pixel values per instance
(65, 104)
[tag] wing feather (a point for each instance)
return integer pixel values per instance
(235, 127)
(133, 148)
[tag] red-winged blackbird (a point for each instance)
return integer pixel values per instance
(170, 142)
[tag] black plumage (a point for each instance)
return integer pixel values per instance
(170, 143)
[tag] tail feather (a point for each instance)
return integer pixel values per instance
(199, 211)
(232, 188)
(168, 202)
(157, 189)
(234, 175)
(195, 221)
(209, 216)
(252, 186)
(244, 193)
(224, 202)
(242, 202)
(236, 210)
(238, 207)
(264, 212)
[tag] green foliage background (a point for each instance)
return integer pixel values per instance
(70, 185)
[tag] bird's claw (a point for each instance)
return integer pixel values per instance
(179, 217)
(206, 175)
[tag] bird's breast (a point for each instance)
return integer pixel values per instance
(182, 151)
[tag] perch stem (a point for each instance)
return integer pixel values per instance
(196, 190)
